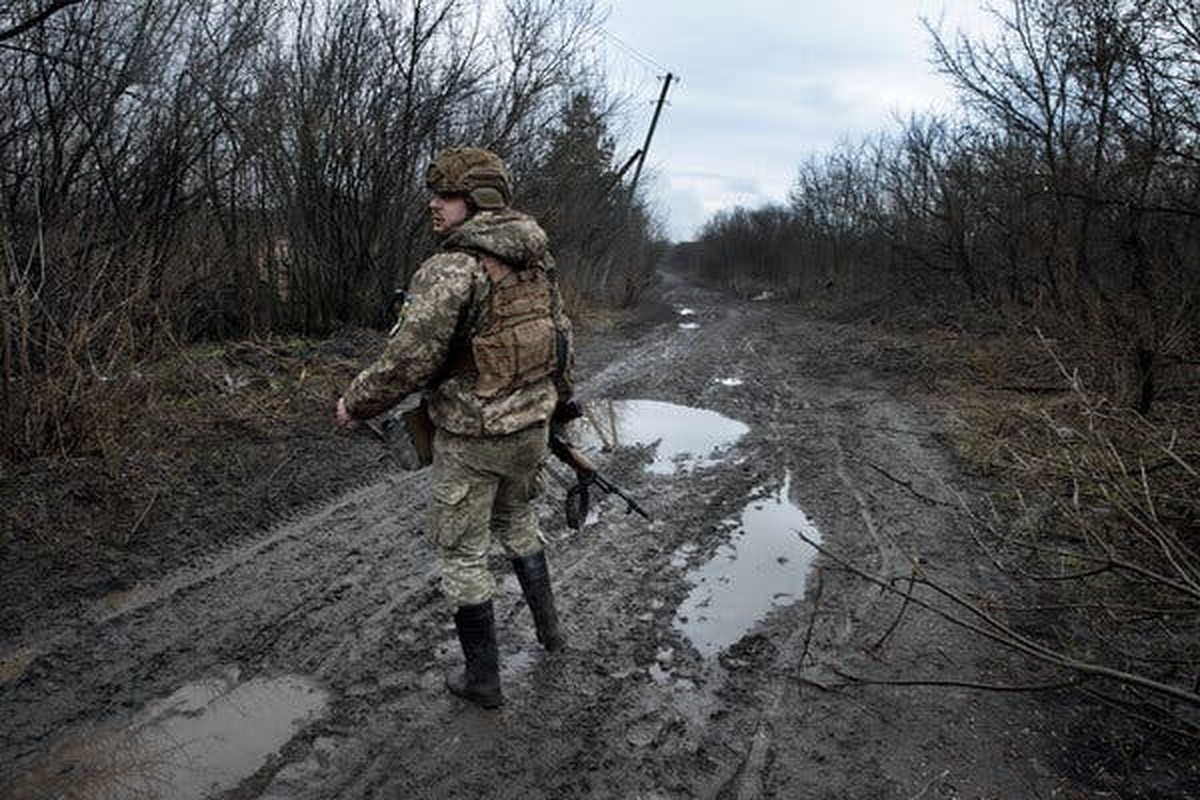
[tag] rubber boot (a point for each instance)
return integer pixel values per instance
(534, 576)
(479, 681)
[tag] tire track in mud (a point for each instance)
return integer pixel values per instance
(238, 609)
(345, 593)
(730, 750)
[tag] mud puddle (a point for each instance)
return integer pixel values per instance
(202, 740)
(683, 438)
(765, 565)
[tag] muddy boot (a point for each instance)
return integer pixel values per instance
(479, 681)
(535, 585)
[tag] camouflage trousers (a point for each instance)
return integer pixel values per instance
(484, 486)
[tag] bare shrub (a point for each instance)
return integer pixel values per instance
(1063, 192)
(1106, 565)
(182, 171)
(69, 357)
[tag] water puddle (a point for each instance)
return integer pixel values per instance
(679, 559)
(516, 664)
(683, 438)
(764, 566)
(202, 740)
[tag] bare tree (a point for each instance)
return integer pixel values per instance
(209, 169)
(24, 19)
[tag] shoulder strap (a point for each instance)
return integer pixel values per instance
(461, 358)
(496, 269)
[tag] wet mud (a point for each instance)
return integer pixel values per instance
(704, 646)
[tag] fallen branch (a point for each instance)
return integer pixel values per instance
(899, 616)
(812, 622)
(996, 631)
(987, 687)
(141, 518)
(908, 485)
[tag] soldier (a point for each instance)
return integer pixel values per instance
(484, 336)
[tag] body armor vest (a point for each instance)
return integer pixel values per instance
(517, 345)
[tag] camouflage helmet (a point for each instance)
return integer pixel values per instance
(477, 173)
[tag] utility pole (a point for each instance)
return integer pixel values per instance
(662, 98)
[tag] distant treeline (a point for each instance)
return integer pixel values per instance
(178, 169)
(1067, 189)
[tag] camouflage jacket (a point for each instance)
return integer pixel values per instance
(447, 306)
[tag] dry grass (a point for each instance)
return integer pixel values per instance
(224, 439)
(1099, 528)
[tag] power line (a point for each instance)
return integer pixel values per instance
(633, 51)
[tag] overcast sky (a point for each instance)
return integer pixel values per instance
(766, 83)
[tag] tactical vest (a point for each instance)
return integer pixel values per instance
(517, 345)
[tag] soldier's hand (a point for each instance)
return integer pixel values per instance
(342, 417)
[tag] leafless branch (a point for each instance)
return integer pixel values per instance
(36, 19)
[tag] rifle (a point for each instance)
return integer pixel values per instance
(407, 435)
(585, 472)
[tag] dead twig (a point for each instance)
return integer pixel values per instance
(908, 485)
(1110, 561)
(277, 469)
(816, 684)
(994, 630)
(899, 616)
(961, 684)
(141, 518)
(812, 622)
(1189, 730)
(925, 789)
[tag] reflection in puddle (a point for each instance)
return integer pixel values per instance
(689, 326)
(684, 438)
(679, 558)
(764, 566)
(515, 664)
(202, 740)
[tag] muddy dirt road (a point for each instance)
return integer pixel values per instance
(308, 662)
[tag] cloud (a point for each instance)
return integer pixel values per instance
(685, 212)
(766, 84)
(731, 184)
(691, 198)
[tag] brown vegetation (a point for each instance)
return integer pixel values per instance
(178, 171)
(1097, 534)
